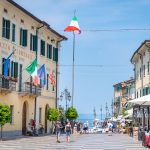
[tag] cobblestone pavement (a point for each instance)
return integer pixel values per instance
(78, 142)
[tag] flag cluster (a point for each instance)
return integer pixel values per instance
(38, 73)
(33, 70)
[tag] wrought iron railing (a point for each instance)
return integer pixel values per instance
(7, 83)
(30, 88)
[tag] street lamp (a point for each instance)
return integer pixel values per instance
(67, 96)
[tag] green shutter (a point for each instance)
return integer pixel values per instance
(20, 36)
(47, 50)
(53, 53)
(50, 52)
(12, 69)
(13, 32)
(31, 42)
(56, 54)
(3, 28)
(25, 34)
(35, 43)
(15, 69)
(8, 29)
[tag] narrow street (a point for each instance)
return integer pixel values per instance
(78, 142)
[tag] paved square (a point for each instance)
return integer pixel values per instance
(78, 142)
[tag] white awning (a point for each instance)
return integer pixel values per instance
(144, 100)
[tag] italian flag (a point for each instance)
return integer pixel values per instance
(32, 70)
(74, 26)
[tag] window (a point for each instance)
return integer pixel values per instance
(148, 66)
(49, 51)
(53, 88)
(144, 70)
(6, 29)
(11, 114)
(33, 42)
(140, 73)
(42, 47)
(40, 115)
(23, 37)
(13, 32)
(47, 81)
(55, 54)
(14, 69)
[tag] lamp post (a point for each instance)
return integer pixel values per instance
(106, 110)
(67, 96)
(112, 106)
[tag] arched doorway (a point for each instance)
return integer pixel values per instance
(24, 118)
(46, 110)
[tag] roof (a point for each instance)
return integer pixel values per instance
(136, 52)
(126, 81)
(37, 19)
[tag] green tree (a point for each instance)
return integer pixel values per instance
(61, 114)
(71, 113)
(53, 115)
(4, 116)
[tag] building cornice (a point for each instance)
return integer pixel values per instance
(137, 51)
(37, 19)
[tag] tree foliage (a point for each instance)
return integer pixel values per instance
(4, 114)
(71, 113)
(61, 114)
(53, 114)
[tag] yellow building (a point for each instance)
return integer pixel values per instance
(21, 30)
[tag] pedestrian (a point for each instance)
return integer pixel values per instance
(68, 131)
(58, 130)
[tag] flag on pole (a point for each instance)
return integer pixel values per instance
(42, 74)
(7, 63)
(74, 26)
(32, 70)
(52, 79)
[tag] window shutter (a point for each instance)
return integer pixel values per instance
(47, 81)
(53, 53)
(20, 36)
(8, 29)
(13, 32)
(15, 69)
(25, 33)
(12, 69)
(31, 42)
(34, 43)
(47, 50)
(56, 54)
(50, 51)
(3, 59)
(3, 28)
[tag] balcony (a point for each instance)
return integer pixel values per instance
(29, 89)
(7, 84)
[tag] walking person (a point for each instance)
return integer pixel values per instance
(68, 131)
(58, 130)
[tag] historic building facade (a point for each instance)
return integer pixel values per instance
(22, 31)
(123, 92)
(141, 60)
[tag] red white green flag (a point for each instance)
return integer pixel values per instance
(74, 26)
(32, 70)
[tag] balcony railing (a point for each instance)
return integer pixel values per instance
(29, 89)
(7, 84)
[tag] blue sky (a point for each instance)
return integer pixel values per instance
(112, 50)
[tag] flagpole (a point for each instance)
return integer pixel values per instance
(73, 68)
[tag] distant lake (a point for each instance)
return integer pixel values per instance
(89, 117)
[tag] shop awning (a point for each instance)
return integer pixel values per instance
(144, 100)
